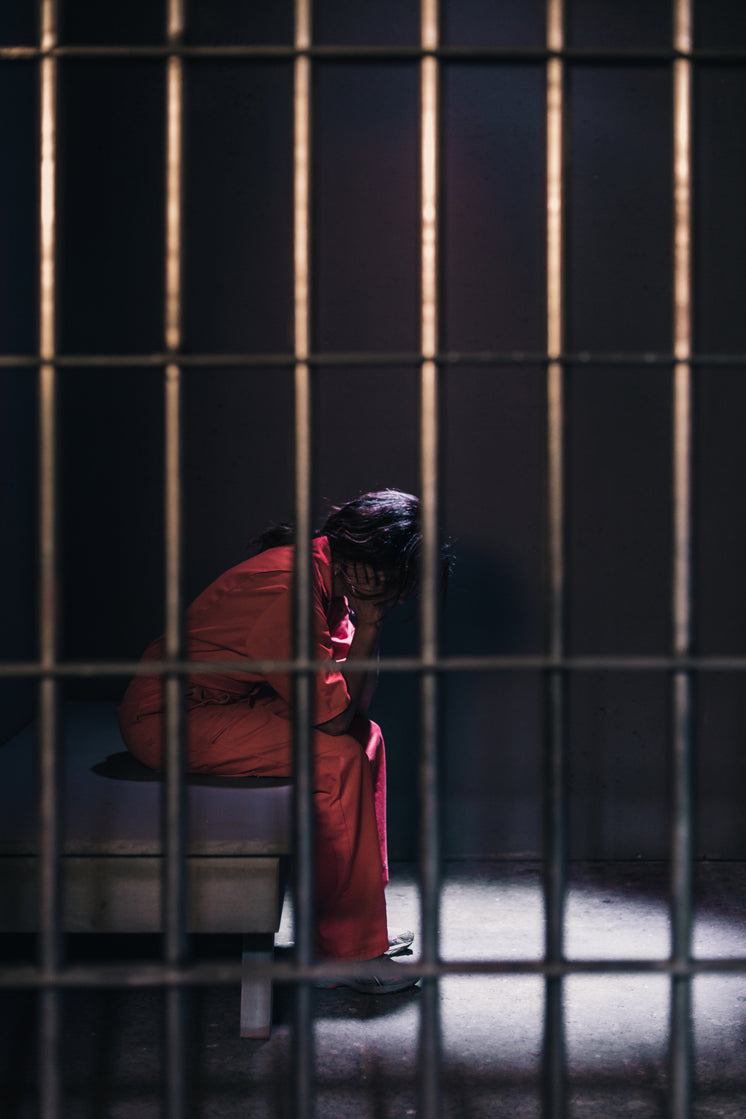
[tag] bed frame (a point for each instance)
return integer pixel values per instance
(238, 833)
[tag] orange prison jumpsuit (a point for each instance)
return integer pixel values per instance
(239, 723)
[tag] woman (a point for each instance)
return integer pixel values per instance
(364, 561)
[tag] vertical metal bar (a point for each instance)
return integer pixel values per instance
(429, 838)
(554, 1063)
(303, 1061)
(174, 826)
(50, 1008)
(681, 698)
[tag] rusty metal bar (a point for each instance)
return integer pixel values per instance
(364, 359)
(555, 810)
(174, 823)
(303, 1051)
(173, 574)
(50, 1008)
(654, 56)
(681, 1049)
(486, 663)
(27, 976)
(47, 496)
(429, 830)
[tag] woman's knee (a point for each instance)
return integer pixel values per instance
(143, 738)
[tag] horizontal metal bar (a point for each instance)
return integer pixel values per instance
(518, 663)
(392, 53)
(208, 973)
(364, 359)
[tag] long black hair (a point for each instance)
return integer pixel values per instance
(381, 529)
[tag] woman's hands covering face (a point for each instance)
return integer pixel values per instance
(369, 595)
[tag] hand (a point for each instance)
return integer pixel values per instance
(368, 595)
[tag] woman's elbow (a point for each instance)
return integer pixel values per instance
(340, 724)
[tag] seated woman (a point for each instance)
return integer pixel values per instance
(364, 561)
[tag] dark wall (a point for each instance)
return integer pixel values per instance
(238, 421)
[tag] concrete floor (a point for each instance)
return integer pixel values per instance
(367, 1048)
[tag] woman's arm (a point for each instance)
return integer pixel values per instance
(360, 682)
(370, 603)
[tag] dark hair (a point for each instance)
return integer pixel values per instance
(381, 529)
(275, 535)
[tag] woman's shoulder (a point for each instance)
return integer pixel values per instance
(282, 557)
(271, 571)
(280, 560)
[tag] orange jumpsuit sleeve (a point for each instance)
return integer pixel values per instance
(271, 639)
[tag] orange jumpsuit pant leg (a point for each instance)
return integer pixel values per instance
(255, 739)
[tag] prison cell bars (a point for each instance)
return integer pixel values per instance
(174, 823)
(49, 1000)
(682, 847)
(48, 978)
(428, 828)
(303, 1062)
(554, 807)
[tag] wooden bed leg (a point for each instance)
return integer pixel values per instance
(256, 994)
